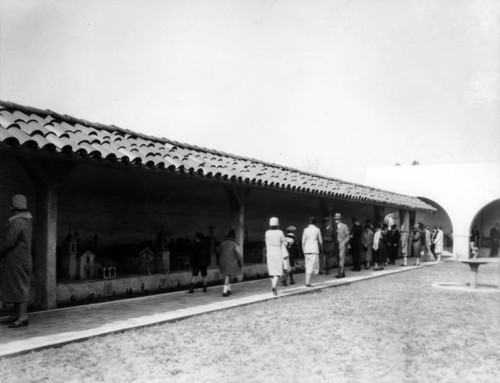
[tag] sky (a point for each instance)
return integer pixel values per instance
(327, 86)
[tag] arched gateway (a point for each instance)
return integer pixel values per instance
(115, 210)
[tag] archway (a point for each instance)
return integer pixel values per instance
(440, 218)
(484, 221)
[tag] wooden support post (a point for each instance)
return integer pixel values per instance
(237, 197)
(378, 215)
(46, 177)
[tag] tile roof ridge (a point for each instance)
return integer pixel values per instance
(163, 140)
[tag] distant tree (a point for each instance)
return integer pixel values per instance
(415, 163)
(398, 164)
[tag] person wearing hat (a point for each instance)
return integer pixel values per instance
(276, 253)
(230, 260)
(343, 237)
(312, 243)
(293, 253)
(15, 253)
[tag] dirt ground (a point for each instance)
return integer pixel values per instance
(398, 328)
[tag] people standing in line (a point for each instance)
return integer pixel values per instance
(416, 244)
(367, 243)
(429, 256)
(230, 260)
(329, 233)
(377, 244)
(312, 243)
(404, 244)
(439, 243)
(394, 237)
(495, 239)
(356, 244)
(293, 253)
(15, 254)
(276, 253)
(200, 259)
(343, 238)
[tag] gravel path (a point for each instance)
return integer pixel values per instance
(393, 329)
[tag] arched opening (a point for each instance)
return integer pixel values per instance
(440, 218)
(485, 229)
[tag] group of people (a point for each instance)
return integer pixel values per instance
(372, 244)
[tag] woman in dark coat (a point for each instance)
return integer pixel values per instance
(15, 255)
(230, 260)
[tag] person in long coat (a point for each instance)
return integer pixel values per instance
(199, 260)
(404, 244)
(416, 244)
(230, 260)
(438, 243)
(367, 241)
(276, 253)
(15, 255)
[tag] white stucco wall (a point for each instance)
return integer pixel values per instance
(462, 190)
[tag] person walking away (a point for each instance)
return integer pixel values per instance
(433, 238)
(495, 239)
(416, 244)
(293, 253)
(312, 242)
(439, 243)
(404, 244)
(230, 260)
(15, 254)
(343, 238)
(276, 253)
(329, 237)
(367, 243)
(356, 244)
(200, 259)
(377, 242)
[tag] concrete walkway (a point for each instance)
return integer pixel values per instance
(57, 327)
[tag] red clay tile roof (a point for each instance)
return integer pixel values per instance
(51, 131)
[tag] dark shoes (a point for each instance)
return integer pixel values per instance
(340, 275)
(225, 294)
(309, 285)
(275, 293)
(204, 289)
(19, 323)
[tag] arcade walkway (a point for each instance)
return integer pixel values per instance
(61, 326)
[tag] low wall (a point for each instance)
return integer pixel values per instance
(80, 291)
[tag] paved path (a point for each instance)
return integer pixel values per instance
(61, 326)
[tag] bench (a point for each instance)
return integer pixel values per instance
(474, 264)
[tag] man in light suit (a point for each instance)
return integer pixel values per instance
(343, 238)
(312, 243)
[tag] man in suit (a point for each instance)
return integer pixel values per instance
(329, 233)
(312, 244)
(343, 238)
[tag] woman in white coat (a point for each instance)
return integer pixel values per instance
(275, 252)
